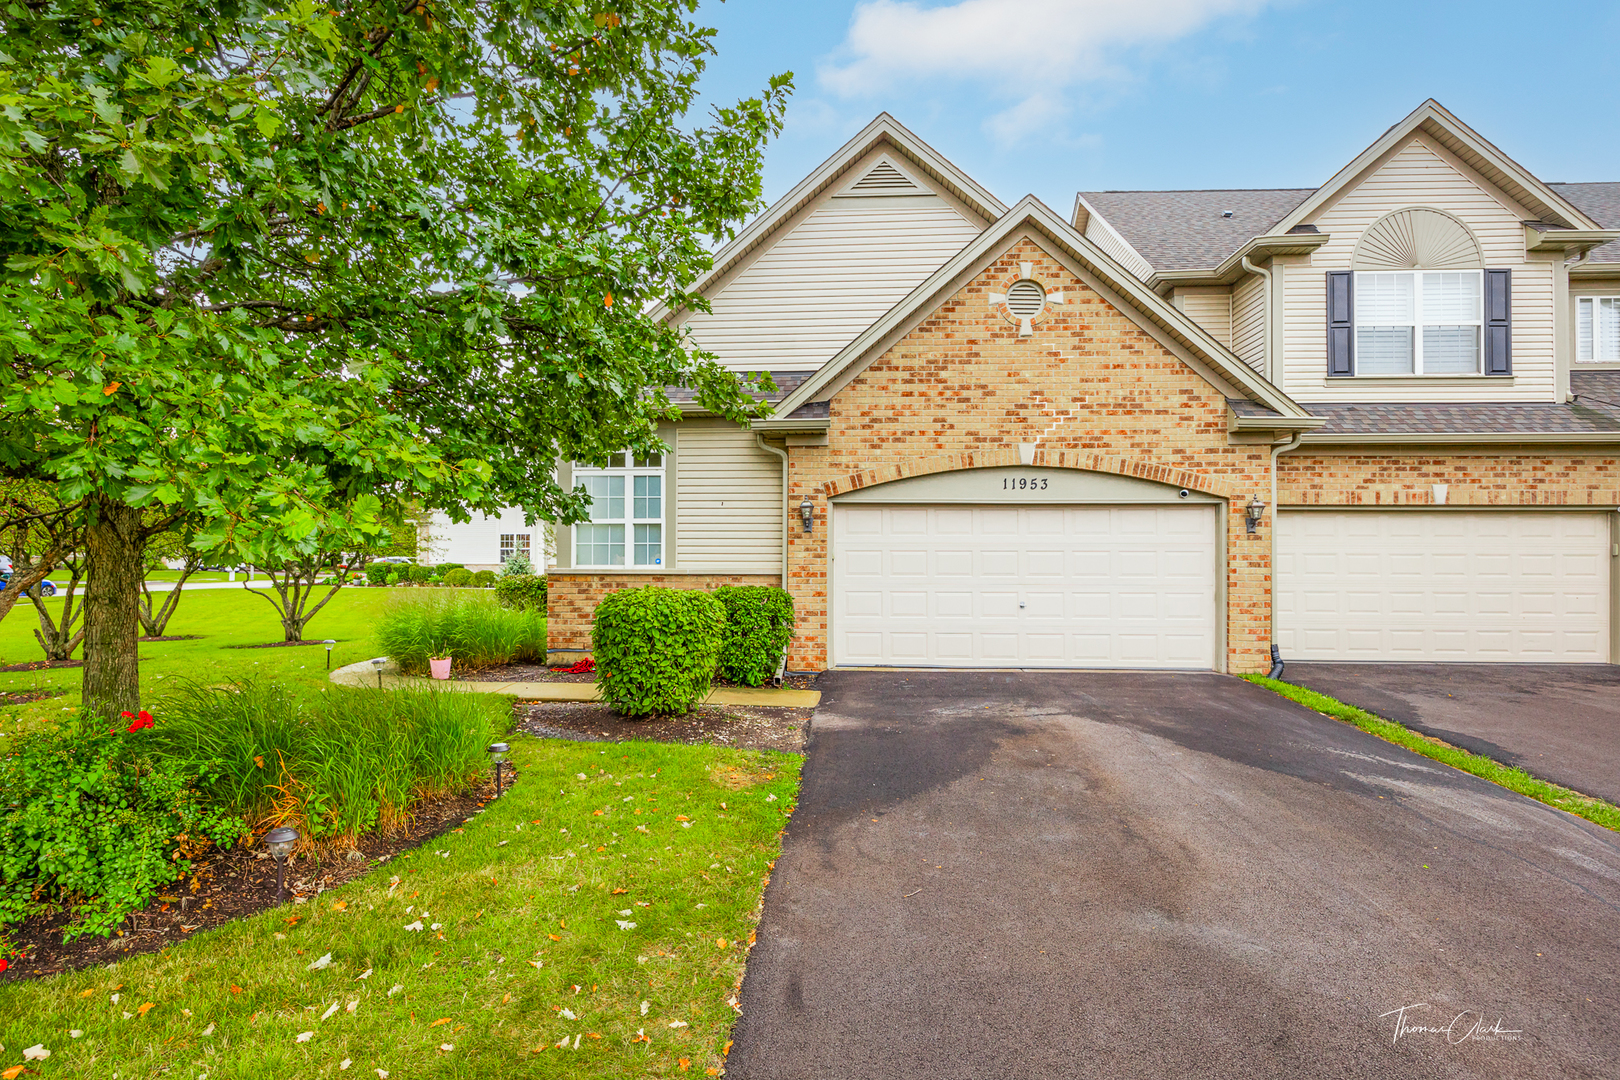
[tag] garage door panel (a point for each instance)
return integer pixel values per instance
(1036, 586)
(1455, 586)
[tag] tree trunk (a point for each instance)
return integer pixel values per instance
(112, 627)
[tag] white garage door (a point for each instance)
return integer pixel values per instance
(965, 586)
(1443, 586)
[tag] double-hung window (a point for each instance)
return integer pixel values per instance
(626, 527)
(1418, 322)
(1597, 329)
(514, 544)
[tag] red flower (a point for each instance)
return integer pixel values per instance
(146, 718)
(127, 715)
(4, 963)
(141, 723)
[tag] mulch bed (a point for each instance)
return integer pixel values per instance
(228, 885)
(174, 637)
(541, 673)
(748, 728)
(43, 665)
(23, 697)
(277, 644)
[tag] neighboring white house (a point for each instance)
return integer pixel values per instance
(483, 543)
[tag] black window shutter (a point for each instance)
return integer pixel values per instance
(1498, 322)
(1341, 323)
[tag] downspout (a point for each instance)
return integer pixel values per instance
(1277, 450)
(1265, 337)
(787, 531)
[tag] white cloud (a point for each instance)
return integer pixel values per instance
(1027, 50)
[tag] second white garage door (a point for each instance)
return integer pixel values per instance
(1443, 586)
(1059, 586)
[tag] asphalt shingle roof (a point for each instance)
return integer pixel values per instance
(1601, 203)
(1184, 230)
(786, 383)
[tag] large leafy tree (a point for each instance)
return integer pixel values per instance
(280, 265)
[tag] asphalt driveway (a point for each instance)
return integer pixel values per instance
(1138, 875)
(1560, 722)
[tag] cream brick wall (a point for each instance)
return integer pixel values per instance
(1513, 476)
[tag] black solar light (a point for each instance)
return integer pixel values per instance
(281, 841)
(329, 642)
(497, 754)
(378, 663)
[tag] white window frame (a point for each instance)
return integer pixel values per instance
(631, 469)
(1418, 323)
(1601, 341)
(520, 545)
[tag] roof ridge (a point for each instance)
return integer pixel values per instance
(1183, 191)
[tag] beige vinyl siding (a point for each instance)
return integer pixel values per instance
(831, 277)
(1421, 173)
(1102, 234)
(1210, 309)
(1248, 330)
(728, 501)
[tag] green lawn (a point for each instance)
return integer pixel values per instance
(223, 617)
(592, 923)
(199, 576)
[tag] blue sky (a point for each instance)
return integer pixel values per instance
(1056, 96)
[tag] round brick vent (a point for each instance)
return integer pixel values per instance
(1026, 298)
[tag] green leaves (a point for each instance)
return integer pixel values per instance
(656, 649)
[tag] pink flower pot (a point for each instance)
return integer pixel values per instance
(440, 667)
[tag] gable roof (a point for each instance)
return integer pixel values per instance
(1033, 215)
(1472, 148)
(885, 130)
(1601, 201)
(1185, 230)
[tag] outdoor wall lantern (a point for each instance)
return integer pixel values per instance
(380, 661)
(497, 754)
(280, 841)
(329, 642)
(1256, 510)
(807, 513)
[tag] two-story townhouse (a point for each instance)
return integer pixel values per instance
(1372, 420)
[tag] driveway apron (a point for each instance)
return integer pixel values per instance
(1558, 721)
(1074, 874)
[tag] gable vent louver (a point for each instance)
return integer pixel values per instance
(1026, 298)
(884, 179)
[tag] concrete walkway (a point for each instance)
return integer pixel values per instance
(364, 674)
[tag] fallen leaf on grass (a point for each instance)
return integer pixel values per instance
(345, 1063)
(351, 1006)
(304, 1036)
(330, 1010)
(341, 905)
(88, 992)
(415, 927)
(37, 1052)
(209, 1030)
(13, 1072)
(536, 963)
(397, 988)
(235, 989)
(684, 1062)
(553, 937)
(678, 1024)
(75, 1033)
(567, 1014)
(440, 1020)
(644, 1006)
(366, 974)
(623, 925)
(446, 1047)
(144, 1009)
(322, 964)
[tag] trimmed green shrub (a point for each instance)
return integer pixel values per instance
(484, 579)
(98, 823)
(417, 574)
(526, 592)
(656, 649)
(470, 627)
(445, 567)
(459, 578)
(759, 625)
(335, 765)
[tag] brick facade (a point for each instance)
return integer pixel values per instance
(1089, 386)
(1514, 476)
(572, 596)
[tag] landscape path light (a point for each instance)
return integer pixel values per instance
(329, 642)
(378, 663)
(497, 754)
(281, 840)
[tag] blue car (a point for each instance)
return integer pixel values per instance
(46, 588)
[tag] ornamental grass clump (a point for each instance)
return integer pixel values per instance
(472, 628)
(335, 766)
(656, 649)
(759, 625)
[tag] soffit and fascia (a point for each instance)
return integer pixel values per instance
(1032, 215)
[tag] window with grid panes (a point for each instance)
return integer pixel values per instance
(1597, 329)
(626, 527)
(514, 544)
(1424, 322)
